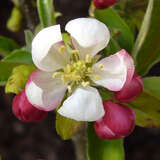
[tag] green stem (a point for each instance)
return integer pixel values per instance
(80, 143)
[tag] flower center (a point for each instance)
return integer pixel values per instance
(77, 72)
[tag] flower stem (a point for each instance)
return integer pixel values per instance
(80, 143)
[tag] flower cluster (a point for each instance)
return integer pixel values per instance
(76, 70)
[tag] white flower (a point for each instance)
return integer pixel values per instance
(76, 71)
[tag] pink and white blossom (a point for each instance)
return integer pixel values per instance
(58, 72)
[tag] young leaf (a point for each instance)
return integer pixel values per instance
(146, 50)
(19, 56)
(7, 45)
(5, 71)
(66, 127)
(147, 105)
(46, 12)
(99, 149)
(18, 79)
(109, 17)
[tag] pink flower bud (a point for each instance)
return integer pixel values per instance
(118, 121)
(102, 4)
(25, 111)
(131, 90)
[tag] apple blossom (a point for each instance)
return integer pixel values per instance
(131, 90)
(76, 70)
(102, 4)
(118, 121)
(25, 111)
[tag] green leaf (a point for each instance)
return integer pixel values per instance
(18, 79)
(28, 38)
(146, 50)
(46, 12)
(5, 71)
(114, 21)
(99, 149)
(66, 127)
(19, 56)
(7, 45)
(105, 94)
(147, 105)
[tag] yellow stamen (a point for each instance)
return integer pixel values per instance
(56, 74)
(75, 51)
(74, 77)
(88, 58)
(85, 84)
(90, 70)
(68, 69)
(62, 49)
(69, 89)
(100, 66)
(97, 77)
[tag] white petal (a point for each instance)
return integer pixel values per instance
(117, 69)
(45, 46)
(88, 35)
(85, 104)
(43, 94)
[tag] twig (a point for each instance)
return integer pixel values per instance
(29, 12)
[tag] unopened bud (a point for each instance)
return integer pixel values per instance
(118, 121)
(131, 90)
(25, 111)
(102, 4)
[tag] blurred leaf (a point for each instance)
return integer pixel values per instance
(28, 38)
(5, 71)
(18, 79)
(114, 21)
(66, 127)
(19, 56)
(99, 149)
(146, 50)
(147, 105)
(15, 20)
(46, 12)
(7, 45)
(105, 94)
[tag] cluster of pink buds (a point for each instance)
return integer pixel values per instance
(119, 120)
(102, 4)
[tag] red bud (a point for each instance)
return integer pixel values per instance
(25, 111)
(131, 90)
(118, 121)
(102, 4)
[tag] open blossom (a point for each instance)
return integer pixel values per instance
(118, 121)
(25, 111)
(75, 69)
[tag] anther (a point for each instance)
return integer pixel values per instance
(69, 89)
(88, 58)
(89, 70)
(56, 74)
(75, 51)
(85, 84)
(100, 66)
(97, 77)
(62, 49)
